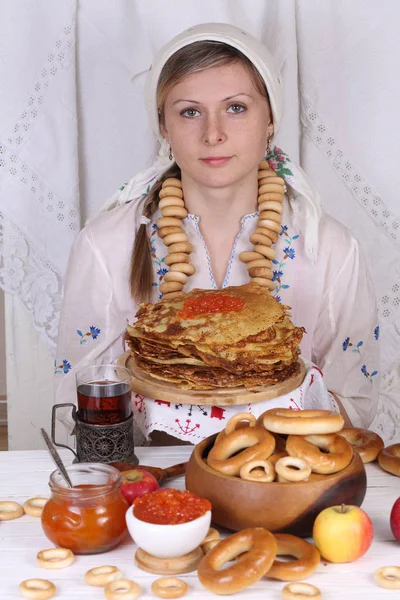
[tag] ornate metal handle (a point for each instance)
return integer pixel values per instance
(53, 425)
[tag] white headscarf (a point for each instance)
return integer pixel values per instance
(303, 199)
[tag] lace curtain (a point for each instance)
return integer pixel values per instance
(71, 102)
(39, 200)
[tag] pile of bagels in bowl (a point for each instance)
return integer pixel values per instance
(315, 444)
(280, 470)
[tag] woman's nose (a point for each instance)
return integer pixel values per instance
(214, 132)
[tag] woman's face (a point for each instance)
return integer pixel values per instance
(217, 124)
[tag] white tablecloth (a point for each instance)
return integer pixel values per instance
(26, 474)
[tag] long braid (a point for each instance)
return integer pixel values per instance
(141, 266)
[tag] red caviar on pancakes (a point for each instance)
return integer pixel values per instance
(210, 303)
(170, 507)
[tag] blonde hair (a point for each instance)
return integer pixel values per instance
(189, 59)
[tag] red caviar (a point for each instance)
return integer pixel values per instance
(170, 507)
(210, 303)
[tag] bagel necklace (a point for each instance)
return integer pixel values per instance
(271, 189)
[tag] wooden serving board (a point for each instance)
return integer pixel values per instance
(143, 384)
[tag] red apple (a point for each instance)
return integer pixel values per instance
(395, 519)
(342, 533)
(137, 482)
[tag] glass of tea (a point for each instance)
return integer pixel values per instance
(104, 394)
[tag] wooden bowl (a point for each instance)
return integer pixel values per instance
(279, 507)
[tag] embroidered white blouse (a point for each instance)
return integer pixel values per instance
(333, 299)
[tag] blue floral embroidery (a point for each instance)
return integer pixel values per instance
(347, 343)
(277, 275)
(161, 269)
(93, 333)
(289, 252)
(366, 374)
(63, 368)
(280, 163)
(356, 349)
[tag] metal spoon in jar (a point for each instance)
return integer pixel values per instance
(56, 457)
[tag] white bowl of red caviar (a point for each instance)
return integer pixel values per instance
(168, 523)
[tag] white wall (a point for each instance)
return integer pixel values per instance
(2, 348)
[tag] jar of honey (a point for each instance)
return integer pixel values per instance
(89, 517)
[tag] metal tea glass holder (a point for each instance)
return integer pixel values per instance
(98, 443)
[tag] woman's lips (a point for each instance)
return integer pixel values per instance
(216, 161)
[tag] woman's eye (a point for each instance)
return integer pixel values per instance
(190, 112)
(236, 108)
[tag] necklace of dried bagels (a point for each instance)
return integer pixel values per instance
(271, 189)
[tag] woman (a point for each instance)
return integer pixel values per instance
(214, 99)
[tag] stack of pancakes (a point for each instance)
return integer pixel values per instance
(255, 345)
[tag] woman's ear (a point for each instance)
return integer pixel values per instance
(164, 132)
(270, 130)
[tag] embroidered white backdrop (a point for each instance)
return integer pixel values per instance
(71, 101)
